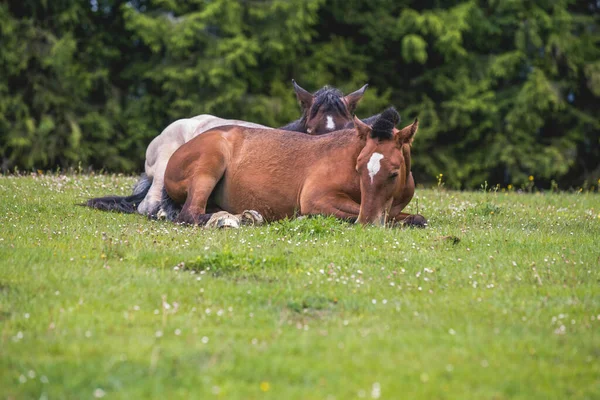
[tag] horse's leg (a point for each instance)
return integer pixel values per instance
(152, 153)
(246, 218)
(251, 217)
(338, 205)
(194, 208)
(407, 194)
(154, 196)
(397, 216)
(222, 219)
(144, 207)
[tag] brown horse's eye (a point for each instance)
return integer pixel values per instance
(393, 175)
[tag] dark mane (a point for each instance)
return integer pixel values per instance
(384, 125)
(328, 99)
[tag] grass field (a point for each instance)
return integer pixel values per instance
(498, 298)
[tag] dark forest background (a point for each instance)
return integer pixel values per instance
(504, 90)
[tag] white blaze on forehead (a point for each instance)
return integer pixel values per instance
(374, 164)
(330, 123)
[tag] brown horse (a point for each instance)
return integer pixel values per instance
(328, 109)
(357, 174)
(325, 111)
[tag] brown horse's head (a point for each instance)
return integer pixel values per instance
(328, 109)
(382, 164)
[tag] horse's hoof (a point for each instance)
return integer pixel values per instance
(142, 208)
(415, 220)
(223, 219)
(161, 214)
(251, 217)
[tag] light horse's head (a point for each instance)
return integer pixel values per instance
(328, 109)
(383, 164)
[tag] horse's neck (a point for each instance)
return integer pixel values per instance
(369, 121)
(337, 158)
(296, 126)
(338, 148)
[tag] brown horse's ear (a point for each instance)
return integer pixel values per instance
(407, 134)
(362, 130)
(353, 98)
(304, 97)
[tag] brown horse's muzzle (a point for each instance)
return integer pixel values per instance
(373, 213)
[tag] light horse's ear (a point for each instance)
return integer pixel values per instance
(353, 98)
(407, 134)
(362, 130)
(304, 97)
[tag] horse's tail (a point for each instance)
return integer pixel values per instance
(168, 208)
(124, 204)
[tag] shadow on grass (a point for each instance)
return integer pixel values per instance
(486, 208)
(311, 307)
(309, 227)
(312, 303)
(239, 266)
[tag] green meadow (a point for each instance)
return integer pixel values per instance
(498, 298)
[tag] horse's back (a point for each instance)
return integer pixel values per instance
(170, 139)
(182, 131)
(208, 122)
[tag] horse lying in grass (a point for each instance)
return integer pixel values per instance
(357, 174)
(327, 110)
(160, 150)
